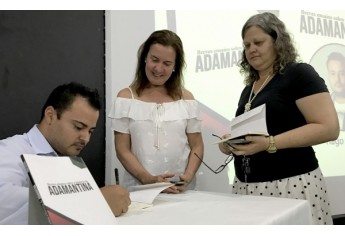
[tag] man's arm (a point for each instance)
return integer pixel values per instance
(14, 191)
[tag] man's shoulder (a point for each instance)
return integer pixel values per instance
(15, 144)
(13, 138)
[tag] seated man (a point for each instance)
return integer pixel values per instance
(68, 119)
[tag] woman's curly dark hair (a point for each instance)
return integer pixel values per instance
(284, 46)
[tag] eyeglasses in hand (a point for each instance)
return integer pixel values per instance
(220, 168)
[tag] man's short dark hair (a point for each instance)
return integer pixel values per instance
(337, 56)
(63, 96)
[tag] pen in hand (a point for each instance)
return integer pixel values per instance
(117, 176)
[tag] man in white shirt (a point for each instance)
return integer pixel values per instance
(68, 119)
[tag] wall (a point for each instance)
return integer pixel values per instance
(122, 42)
(40, 50)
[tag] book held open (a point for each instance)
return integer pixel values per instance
(252, 122)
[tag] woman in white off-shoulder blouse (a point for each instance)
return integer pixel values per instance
(156, 121)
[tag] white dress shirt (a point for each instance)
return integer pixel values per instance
(14, 181)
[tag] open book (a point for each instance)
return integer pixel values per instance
(142, 196)
(252, 122)
(63, 191)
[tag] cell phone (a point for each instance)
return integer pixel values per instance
(177, 183)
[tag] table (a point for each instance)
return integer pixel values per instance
(210, 208)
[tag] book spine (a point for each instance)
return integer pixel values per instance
(35, 189)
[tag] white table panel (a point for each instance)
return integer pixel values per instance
(209, 208)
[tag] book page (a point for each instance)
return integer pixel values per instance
(148, 192)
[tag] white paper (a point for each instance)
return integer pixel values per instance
(148, 192)
(136, 206)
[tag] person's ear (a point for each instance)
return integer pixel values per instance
(49, 114)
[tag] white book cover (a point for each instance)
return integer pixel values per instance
(252, 122)
(63, 191)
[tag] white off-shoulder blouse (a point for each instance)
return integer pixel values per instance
(158, 133)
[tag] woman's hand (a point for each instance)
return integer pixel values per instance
(224, 147)
(157, 178)
(181, 185)
(257, 143)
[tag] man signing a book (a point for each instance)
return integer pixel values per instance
(68, 119)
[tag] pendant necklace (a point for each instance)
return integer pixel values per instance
(249, 103)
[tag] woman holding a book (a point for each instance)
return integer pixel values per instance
(299, 114)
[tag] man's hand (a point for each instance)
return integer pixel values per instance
(117, 198)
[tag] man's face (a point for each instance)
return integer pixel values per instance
(336, 76)
(71, 133)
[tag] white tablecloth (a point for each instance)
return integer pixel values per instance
(209, 208)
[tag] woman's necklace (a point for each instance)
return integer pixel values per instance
(249, 103)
